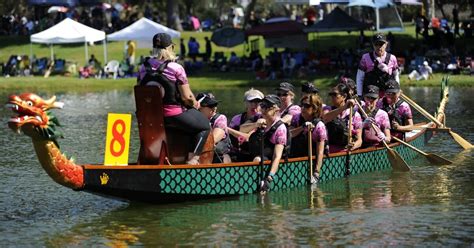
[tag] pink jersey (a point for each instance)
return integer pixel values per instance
(319, 132)
(174, 72)
(279, 137)
(221, 122)
(366, 64)
(381, 121)
(404, 110)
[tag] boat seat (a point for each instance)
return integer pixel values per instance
(157, 144)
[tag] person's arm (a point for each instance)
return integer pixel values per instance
(360, 81)
(187, 96)
(331, 115)
(287, 119)
(320, 154)
(277, 153)
(239, 134)
(248, 127)
(406, 128)
(358, 141)
(218, 134)
(388, 136)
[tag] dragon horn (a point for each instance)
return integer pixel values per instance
(51, 102)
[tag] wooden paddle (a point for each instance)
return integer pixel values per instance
(396, 161)
(460, 140)
(310, 155)
(349, 141)
(433, 158)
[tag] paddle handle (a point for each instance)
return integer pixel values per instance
(351, 112)
(420, 109)
(310, 151)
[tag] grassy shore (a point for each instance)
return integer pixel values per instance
(58, 84)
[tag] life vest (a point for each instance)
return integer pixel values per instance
(338, 131)
(299, 143)
(237, 148)
(268, 146)
(393, 113)
(376, 76)
(393, 116)
(171, 94)
(369, 135)
(222, 147)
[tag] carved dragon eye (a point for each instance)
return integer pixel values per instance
(29, 103)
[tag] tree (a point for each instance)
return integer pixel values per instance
(172, 16)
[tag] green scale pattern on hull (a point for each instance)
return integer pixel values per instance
(244, 179)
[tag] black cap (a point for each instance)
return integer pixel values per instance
(285, 86)
(162, 40)
(379, 38)
(371, 91)
(309, 88)
(207, 100)
(270, 100)
(392, 86)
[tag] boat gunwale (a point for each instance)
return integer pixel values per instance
(244, 164)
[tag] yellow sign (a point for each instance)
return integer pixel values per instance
(117, 142)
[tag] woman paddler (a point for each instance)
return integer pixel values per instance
(399, 112)
(275, 137)
(179, 104)
(286, 93)
(309, 119)
(375, 116)
(218, 121)
(238, 133)
(336, 118)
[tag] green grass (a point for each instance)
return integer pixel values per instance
(205, 81)
(75, 52)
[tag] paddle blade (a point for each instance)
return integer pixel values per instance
(437, 160)
(461, 141)
(397, 162)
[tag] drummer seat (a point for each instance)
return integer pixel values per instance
(157, 145)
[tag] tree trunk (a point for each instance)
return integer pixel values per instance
(440, 7)
(172, 17)
(249, 9)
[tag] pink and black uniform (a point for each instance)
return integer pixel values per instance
(376, 70)
(337, 128)
(169, 75)
(299, 143)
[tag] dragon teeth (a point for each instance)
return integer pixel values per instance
(39, 118)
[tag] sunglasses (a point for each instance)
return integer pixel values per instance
(307, 105)
(333, 94)
(282, 94)
(370, 98)
(390, 93)
(255, 101)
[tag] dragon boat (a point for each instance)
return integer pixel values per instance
(158, 179)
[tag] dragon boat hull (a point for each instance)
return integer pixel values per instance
(176, 183)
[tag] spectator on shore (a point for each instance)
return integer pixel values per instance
(131, 50)
(208, 49)
(424, 72)
(182, 48)
(193, 48)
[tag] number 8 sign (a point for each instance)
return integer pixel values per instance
(117, 141)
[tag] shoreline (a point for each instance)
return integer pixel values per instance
(198, 82)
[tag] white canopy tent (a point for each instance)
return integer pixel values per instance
(143, 31)
(385, 9)
(70, 31)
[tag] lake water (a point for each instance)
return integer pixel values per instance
(429, 206)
